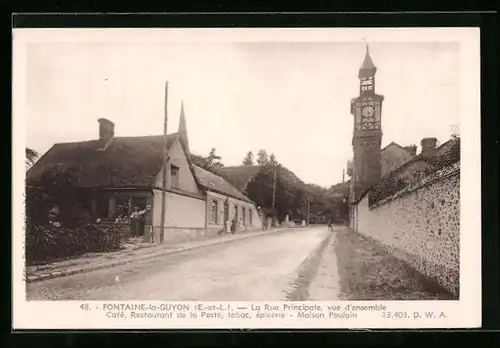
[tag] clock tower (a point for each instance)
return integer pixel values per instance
(367, 136)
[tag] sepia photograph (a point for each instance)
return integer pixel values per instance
(202, 169)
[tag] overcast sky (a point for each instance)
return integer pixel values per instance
(292, 99)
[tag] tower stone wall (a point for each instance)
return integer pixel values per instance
(367, 134)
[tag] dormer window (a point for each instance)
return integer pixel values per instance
(174, 176)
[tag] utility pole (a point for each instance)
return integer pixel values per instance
(308, 209)
(165, 170)
(343, 175)
(274, 185)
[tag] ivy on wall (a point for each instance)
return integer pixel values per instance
(394, 183)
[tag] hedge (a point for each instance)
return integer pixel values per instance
(48, 243)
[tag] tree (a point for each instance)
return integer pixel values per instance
(31, 157)
(199, 161)
(214, 160)
(262, 158)
(210, 162)
(455, 131)
(248, 160)
(300, 203)
(272, 160)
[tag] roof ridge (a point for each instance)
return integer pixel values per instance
(446, 142)
(241, 166)
(75, 142)
(138, 165)
(115, 137)
(220, 177)
(145, 136)
(400, 146)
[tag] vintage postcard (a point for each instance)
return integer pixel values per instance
(246, 178)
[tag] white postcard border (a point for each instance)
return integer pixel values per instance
(463, 313)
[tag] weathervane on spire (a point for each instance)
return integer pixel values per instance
(367, 45)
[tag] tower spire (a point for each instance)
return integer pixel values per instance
(367, 135)
(367, 68)
(183, 129)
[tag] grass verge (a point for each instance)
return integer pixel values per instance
(368, 272)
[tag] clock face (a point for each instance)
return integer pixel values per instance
(367, 111)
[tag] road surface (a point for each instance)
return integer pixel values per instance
(253, 269)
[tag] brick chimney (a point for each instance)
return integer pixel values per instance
(428, 147)
(106, 130)
(412, 149)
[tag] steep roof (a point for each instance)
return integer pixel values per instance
(216, 183)
(367, 68)
(183, 136)
(126, 162)
(368, 62)
(394, 159)
(392, 143)
(446, 153)
(446, 147)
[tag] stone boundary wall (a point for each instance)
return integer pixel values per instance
(420, 225)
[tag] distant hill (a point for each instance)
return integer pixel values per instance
(340, 189)
(292, 193)
(240, 176)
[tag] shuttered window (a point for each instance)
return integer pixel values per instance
(214, 216)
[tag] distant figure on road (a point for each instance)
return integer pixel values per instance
(330, 226)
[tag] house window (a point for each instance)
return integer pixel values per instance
(250, 216)
(174, 176)
(215, 212)
(244, 216)
(236, 215)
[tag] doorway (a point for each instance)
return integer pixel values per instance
(226, 212)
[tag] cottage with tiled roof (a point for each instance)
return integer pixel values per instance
(406, 164)
(394, 156)
(113, 175)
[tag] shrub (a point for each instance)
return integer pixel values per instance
(386, 188)
(38, 205)
(450, 157)
(48, 243)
